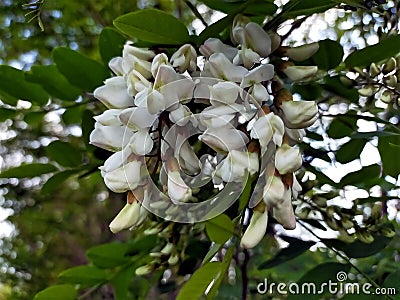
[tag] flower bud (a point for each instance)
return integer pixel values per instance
(364, 236)
(178, 190)
(185, 59)
(387, 96)
(159, 60)
(374, 70)
(388, 232)
(173, 259)
(126, 218)
(390, 65)
(297, 73)
(141, 142)
(214, 45)
(268, 127)
(391, 81)
(275, 192)
(284, 214)
(257, 39)
(302, 52)
(127, 177)
(299, 114)
(256, 230)
(112, 138)
(287, 159)
(143, 270)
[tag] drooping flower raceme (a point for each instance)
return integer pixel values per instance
(227, 96)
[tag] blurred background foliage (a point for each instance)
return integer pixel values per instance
(50, 230)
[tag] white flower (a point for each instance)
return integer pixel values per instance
(141, 53)
(294, 136)
(112, 138)
(224, 139)
(137, 117)
(136, 82)
(247, 58)
(185, 58)
(114, 93)
(275, 191)
(302, 52)
(214, 45)
(126, 218)
(131, 62)
(297, 73)
(268, 127)
(178, 190)
(284, 214)
(296, 188)
(253, 36)
(109, 118)
(287, 159)
(159, 60)
(141, 142)
(115, 64)
(188, 158)
(257, 75)
(256, 230)
(237, 165)
(221, 67)
(299, 114)
(223, 93)
(126, 177)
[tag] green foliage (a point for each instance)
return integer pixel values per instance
(63, 292)
(28, 170)
(111, 43)
(80, 71)
(154, 26)
(220, 229)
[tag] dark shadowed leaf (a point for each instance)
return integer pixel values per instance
(6, 113)
(307, 91)
(336, 87)
(328, 56)
(111, 43)
(319, 275)
(389, 150)
(363, 178)
(13, 86)
(259, 7)
(392, 281)
(56, 180)
(64, 153)
(386, 48)
(28, 170)
(295, 248)
(80, 70)
(53, 82)
(152, 25)
(60, 292)
(350, 150)
(306, 7)
(342, 126)
(108, 255)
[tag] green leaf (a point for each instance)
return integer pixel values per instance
(64, 153)
(219, 229)
(56, 180)
(350, 151)
(259, 7)
(13, 86)
(362, 178)
(215, 29)
(28, 170)
(307, 91)
(152, 25)
(111, 43)
(80, 70)
(295, 248)
(59, 292)
(359, 249)
(392, 281)
(305, 7)
(85, 275)
(87, 127)
(384, 49)
(73, 115)
(328, 56)
(389, 151)
(336, 87)
(121, 282)
(319, 275)
(6, 114)
(211, 252)
(195, 287)
(342, 126)
(109, 255)
(53, 82)
(224, 269)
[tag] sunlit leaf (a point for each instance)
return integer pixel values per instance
(86, 275)
(219, 229)
(60, 292)
(196, 286)
(350, 151)
(80, 70)
(152, 25)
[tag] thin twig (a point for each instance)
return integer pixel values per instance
(196, 12)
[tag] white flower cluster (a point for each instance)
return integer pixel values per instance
(224, 95)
